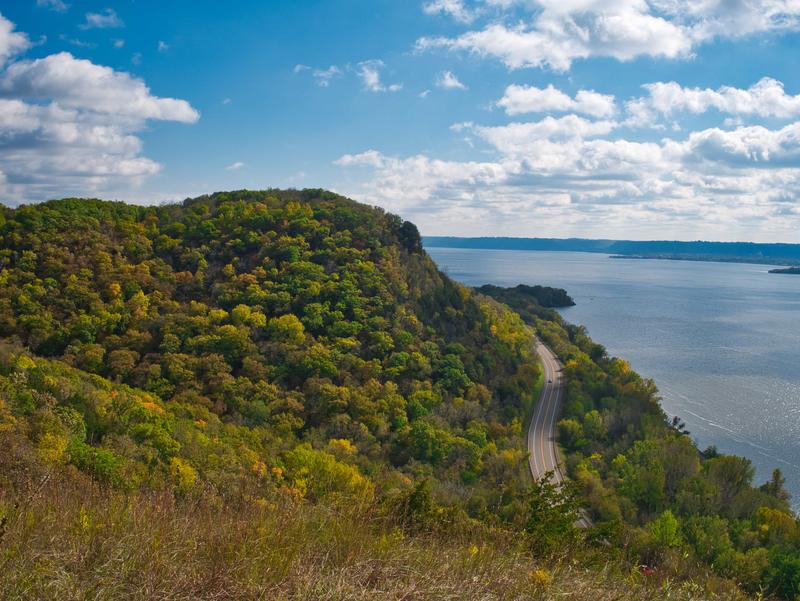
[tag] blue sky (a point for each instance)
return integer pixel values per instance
(632, 119)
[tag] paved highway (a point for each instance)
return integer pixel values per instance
(543, 452)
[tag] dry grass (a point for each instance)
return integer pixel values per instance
(72, 541)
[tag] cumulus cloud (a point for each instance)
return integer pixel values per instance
(707, 19)
(107, 19)
(518, 100)
(370, 74)
(454, 8)
(518, 139)
(69, 126)
(448, 81)
(766, 98)
(410, 183)
(80, 84)
(556, 37)
(555, 33)
(743, 147)
(566, 176)
(11, 42)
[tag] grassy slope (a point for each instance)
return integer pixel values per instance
(69, 540)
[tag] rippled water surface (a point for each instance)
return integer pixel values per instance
(721, 340)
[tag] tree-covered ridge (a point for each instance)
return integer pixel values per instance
(296, 322)
(646, 484)
(523, 296)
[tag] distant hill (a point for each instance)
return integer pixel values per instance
(736, 252)
(791, 270)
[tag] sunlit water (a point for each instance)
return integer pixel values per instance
(721, 340)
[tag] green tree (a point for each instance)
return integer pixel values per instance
(783, 573)
(551, 513)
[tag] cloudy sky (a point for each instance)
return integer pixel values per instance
(637, 119)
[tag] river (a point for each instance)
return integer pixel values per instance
(721, 340)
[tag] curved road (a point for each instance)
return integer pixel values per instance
(543, 453)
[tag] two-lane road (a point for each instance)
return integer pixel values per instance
(543, 453)
(542, 450)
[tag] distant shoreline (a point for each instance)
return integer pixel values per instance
(705, 259)
(789, 270)
(717, 252)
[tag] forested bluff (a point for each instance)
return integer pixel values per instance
(277, 394)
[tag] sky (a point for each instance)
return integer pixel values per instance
(632, 119)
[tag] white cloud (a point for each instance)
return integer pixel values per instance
(369, 71)
(753, 146)
(370, 74)
(69, 127)
(56, 5)
(554, 33)
(707, 19)
(162, 46)
(449, 81)
(11, 42)
(561, 177)
(324, 76)
(518, 100)
(299, 68)
(766, 98)
(107, 19)
(520, 139)
(50, 151)
(557, 38)
(416, 181)
(81, 84)
(235, 166)
(454, 8)
(119, 43)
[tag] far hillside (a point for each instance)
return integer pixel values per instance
(735, 252)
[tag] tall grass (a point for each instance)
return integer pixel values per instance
(68, 539)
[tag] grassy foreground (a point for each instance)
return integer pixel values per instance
(71, 540)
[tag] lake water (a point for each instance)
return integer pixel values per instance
(721, 340)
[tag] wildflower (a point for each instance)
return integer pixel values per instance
(541, 578)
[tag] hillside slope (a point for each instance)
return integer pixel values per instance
(311, 329)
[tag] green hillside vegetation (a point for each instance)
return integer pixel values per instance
(72, 526)
(522, 295)
(290, 340)
(644, 481)
(251, 394)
